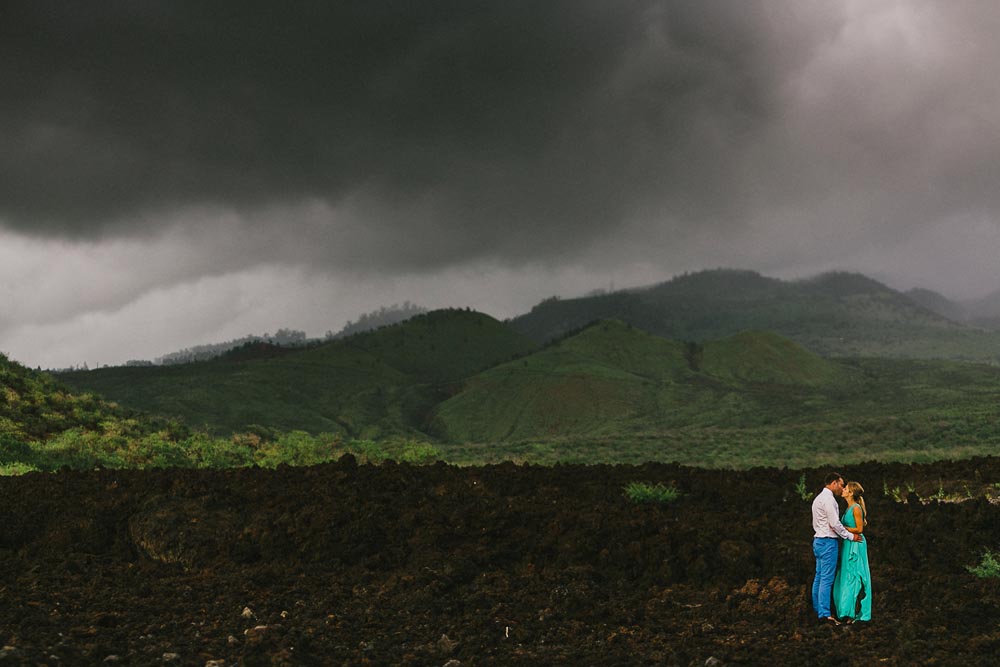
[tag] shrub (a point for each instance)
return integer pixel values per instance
(8, 469)
(988, 568)
(13, 450)
(367, 451)
(801, 489)
(296, 448)
(419, 453)
(641, 492)
(204, 451)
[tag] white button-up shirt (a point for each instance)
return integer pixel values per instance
(826, 516)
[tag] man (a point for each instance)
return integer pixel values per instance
(827, 527)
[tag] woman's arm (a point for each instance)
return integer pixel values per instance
(859, 521)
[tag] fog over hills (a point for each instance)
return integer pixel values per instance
(833, 314)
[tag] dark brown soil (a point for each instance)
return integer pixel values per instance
(506, 565)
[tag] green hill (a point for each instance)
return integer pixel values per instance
(834, 315)
(611, 379)
(615, 393)
(33, 406)
(374, 384)
(595, 382)
(760, 356)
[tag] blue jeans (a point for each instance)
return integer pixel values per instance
(825, 549)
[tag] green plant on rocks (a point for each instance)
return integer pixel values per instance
(988, 568)
(801, 489)
(643, 492)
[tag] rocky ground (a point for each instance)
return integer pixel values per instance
(508, 565)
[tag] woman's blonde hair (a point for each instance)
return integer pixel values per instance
(858, 493)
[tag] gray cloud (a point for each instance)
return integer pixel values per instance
(175, 141)
(444, 120)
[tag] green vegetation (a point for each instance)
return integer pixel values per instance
(614, 394)
(614, 381)
(44, 427)
(957, 491)
(643, 492)
(374, 385)
(988, 568)
(462, 387)
(801, 490)
(80, 449)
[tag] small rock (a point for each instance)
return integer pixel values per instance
(452, 663)
(284, 614)
(232, 641)
(713, 662)
(112, 658)
(215, 663)
(255, 634)
(171, 657)
(248, 613)
(446, 645)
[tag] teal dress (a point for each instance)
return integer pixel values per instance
(854, 579)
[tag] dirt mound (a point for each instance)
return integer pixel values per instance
(503, 565)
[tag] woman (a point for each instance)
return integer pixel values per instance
(852, 587)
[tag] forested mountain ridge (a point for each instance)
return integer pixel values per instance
(372, 384)
(834, 314)
(608, 392)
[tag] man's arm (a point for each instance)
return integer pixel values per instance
(859, 522)
(833, 518)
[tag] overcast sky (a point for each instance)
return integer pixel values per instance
(177, 173)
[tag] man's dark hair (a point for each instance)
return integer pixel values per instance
(831, 477)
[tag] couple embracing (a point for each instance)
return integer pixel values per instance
(842, 573)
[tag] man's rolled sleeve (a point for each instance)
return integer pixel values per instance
(833, 518)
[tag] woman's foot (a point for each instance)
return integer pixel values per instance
(829, 620)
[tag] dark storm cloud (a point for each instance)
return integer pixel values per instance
(421, 135)
(470, 128)
(212, 163)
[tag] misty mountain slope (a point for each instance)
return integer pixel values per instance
(373, 384)
(611, 380)
(836, 314)
(938, 303)
(985, 312)
(982, 313)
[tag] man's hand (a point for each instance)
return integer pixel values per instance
(858, 538)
